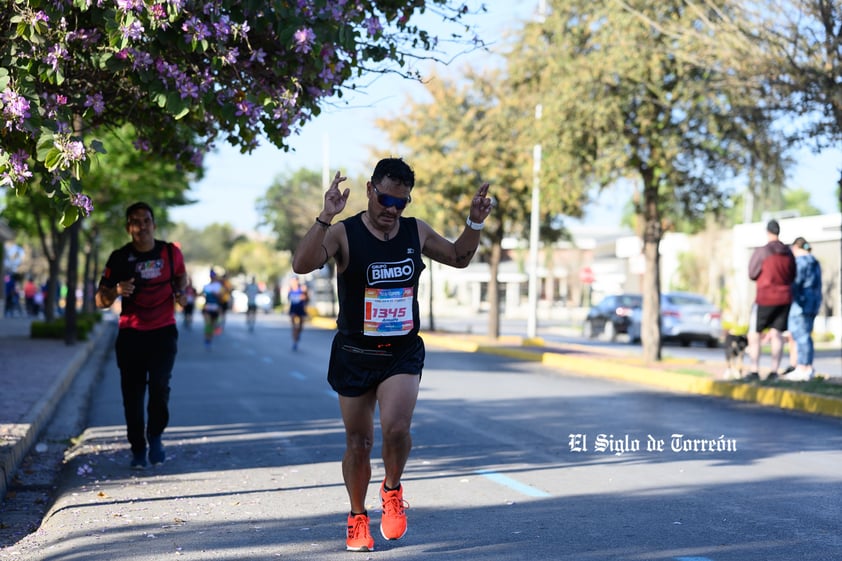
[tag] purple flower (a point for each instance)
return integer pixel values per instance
(130, 5)
(222, 27)
(373, 26)
(197, 158)
(259, 55)
(96, 102)
(244, 107)
(158, 11)
(142, 59)
(15, 109)
(142, 144)
(328, 52)
(71, 150)
(304, 39)
(19, 169)
(187, 88)
(55, 54)
(231, 56)
(83, 202)
(326, 75)
(195, 30)
(134, 30)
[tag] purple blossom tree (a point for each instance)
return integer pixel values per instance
(185, 74)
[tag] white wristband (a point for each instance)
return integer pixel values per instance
(474, 225)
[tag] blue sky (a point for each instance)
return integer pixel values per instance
(344, 135)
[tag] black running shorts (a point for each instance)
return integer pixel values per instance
(768, 317)
(354, 370)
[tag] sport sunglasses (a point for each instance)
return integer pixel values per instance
(388, 200)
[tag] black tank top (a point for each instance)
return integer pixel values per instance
(378, 291)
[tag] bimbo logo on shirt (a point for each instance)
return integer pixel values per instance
(399, 271)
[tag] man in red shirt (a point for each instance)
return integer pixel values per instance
(148, 275)
(772, 266)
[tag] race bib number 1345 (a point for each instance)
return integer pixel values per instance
(388, 311)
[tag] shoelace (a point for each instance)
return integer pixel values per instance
(360, 526)
(392, 505)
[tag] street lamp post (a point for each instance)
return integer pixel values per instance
(532, 320)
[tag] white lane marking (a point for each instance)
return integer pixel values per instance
(513, 484)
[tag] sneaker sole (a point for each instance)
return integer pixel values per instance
(385, 537)
(362, 548)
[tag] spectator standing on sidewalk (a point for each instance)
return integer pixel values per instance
(148, 275)
(772, 267)
(806, 300)
(13, 306)
(377, 355)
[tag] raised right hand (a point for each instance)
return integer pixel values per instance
(334, 199)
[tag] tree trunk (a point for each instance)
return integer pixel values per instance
(87, 277)
(651, 324)
(51, 296)
(70, 331)
(494, 291)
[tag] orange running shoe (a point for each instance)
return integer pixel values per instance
(393, 521)
(359, 538)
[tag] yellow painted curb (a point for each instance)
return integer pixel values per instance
(782, 398)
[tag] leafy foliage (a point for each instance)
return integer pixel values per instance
(210, 245)
(294, 199)
(290, 205)
(184, 73)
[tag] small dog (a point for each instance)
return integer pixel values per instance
(735, 350)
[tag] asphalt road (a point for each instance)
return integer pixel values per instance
(512, 460)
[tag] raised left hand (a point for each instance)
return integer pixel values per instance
(481, 204)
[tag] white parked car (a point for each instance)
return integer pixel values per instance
(685, 317)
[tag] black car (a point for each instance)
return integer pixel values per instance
(612, 316)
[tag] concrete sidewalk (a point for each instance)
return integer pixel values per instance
(35, 374)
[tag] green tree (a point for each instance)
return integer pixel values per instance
(799, 201)
(289, 206)
(38, 216)
(472, 131)
(259, 259)
(210, 245)
(657, 117)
